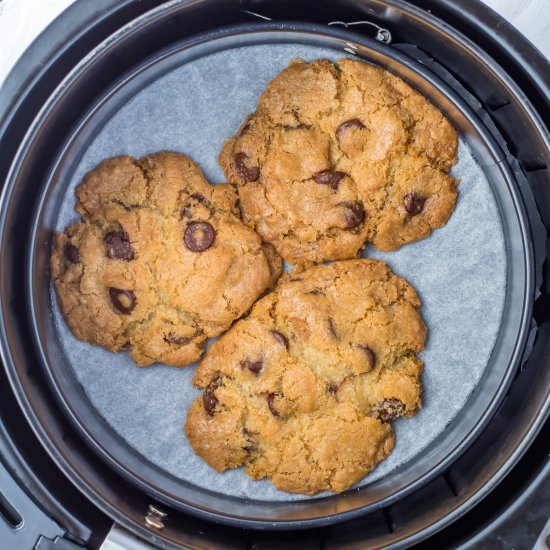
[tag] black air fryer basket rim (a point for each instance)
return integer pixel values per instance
(511, 459)
(230, 509)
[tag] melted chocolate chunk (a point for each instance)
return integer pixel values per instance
(332, 178)
(352, 123)
(271, 405)
(414, 204)
(124, 300)
(281, 338)
(199, 236)
(209, 399)
(244, 129)
(255, 367)
(369, 353)
(354, 213)
(389, 409)
(118, 246)
(71, 253)
(332, 328)
(248, 174)
(198, 197)
(173, 338)
(316, 293)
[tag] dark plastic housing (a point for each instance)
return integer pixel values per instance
(504, 83)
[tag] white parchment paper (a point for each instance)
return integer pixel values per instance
(459, 272)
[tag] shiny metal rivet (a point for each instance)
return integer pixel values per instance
(157, 512)
(155, 517)
(383, 35)
(154, 522)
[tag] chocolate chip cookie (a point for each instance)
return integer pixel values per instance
(160, 260)
(337, 154)
(304, 389)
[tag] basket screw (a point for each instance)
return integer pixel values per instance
(384, 36)
(155, 517)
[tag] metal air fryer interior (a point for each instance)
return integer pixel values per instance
(514, 327)
(139, 40)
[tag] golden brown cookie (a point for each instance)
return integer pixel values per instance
(303, 389)
(160, 260)
(337, 154)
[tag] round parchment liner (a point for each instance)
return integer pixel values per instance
(459, 272)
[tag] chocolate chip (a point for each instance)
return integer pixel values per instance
(255, 367)
(281, 338)
(316, 293)
(198, 197)
(248, 174)
(389, 409)
(271, 404)
(209, 399)
(199, 236)
(369, 353)
(352, 123)
(172, 338)
(71, 253)
(118, 246)
(332, 328)
(187, 213)
(124, 300)
(354, 213)
(414, 204)
(332, 178)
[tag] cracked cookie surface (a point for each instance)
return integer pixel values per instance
(160, 260)
(339, 154)
(303, 390)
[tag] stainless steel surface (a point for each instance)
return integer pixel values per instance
(120, 539)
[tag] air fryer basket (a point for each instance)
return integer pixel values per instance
(487, 396)
(452, 481)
